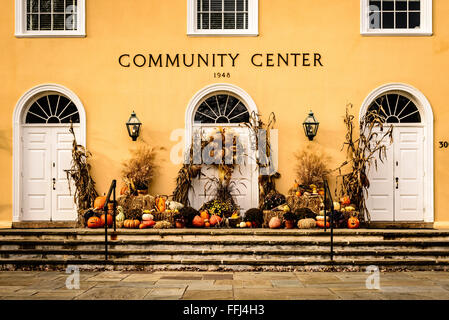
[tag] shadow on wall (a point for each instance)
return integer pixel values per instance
(6, 141)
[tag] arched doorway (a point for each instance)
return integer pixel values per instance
(42, 153)
(401, 189)
(228, 106)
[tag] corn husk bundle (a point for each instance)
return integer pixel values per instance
(163, 225)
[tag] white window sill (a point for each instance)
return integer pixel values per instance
(410, 33)
(221, 33)
(51, 35)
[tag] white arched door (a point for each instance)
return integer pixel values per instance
(399, 187)
(225, 107)
(44, 154)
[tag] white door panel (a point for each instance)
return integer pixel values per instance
(397, 187)
(47, 152)
(409, 170)
(36, 174)
(380, 201)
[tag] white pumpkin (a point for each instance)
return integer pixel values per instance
(173, 205)
(147, 217)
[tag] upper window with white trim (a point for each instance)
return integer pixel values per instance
(396, 17)
(50, 18)
(222, 17)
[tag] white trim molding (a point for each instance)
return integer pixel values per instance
(18, 119)
(253, 22)
(426, 28)
(21, 24)
(428, 122)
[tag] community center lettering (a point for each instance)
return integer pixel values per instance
(197, 60)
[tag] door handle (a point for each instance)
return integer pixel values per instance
(54, 184)
(397, 183)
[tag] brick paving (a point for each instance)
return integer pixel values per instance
(122, 285)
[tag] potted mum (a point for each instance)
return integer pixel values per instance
(289, 220)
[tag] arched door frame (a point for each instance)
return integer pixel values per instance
(18, 116)
(427, 122)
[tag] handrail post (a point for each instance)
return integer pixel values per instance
(328, 196)
(105, 209)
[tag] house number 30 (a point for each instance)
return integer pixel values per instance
(444, 144)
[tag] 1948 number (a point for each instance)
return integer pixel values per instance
(222, 75)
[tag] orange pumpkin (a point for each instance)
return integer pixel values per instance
(160, 203)
(93, 222)
(198, 222)
(274, 223)
(249, 224)
(214, 220)
(131, 224)
(109, 220)
(320, 224)
(353, 223)
(204, 214)
(99, 202)
(207, 224)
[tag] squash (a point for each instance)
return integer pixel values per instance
(160, 203)
(214, 220)
(274, 223)
(349, 208)
(131, 224)
(93, 222)
(99, 202)
(173, 205)
(306, 223)
(103, 219)
(198, 222)
(337, 206)
(353, 223)
(147, 217)
(320, 224)
(146, 224)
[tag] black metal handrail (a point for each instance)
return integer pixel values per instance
(329, 205)
(105, 209)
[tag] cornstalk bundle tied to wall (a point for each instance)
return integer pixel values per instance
(362, 154)
(79, 175)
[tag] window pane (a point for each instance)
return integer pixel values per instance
(374, 20)
(45, 22)
(240, 5)
(70, 21)
(58, 5)
(70, 6)
(388, 20)
(375, 5)
(388, 5)
(28, 5)
(240, 20)
(198, 5)
(229, 20)
(216, 21)
(205, 23)
(58, 22)
(414, 20)
(401, 20)
(401, 5)
(414, 5)
(35, 5)
(205, 5)
(34, 22)
(216, 5)
(45, 6)
(229, 5)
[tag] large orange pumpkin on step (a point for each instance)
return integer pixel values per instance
(131, 224)
(99, 202)
(320, 224)
(93, 222)
(198, 222)
(109, 220)
(353, 223)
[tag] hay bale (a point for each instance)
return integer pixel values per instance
(311, 202)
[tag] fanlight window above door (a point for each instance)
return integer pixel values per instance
(221, 108)
(52, 108)
(396, 108)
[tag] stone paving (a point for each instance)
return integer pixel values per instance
(122, 285)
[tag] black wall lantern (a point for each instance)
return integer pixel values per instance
(310, 126)
(133, 126)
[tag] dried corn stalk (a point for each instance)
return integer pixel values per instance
(79, 176)
(361, 154)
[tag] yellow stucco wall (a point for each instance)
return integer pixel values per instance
(353, 66)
